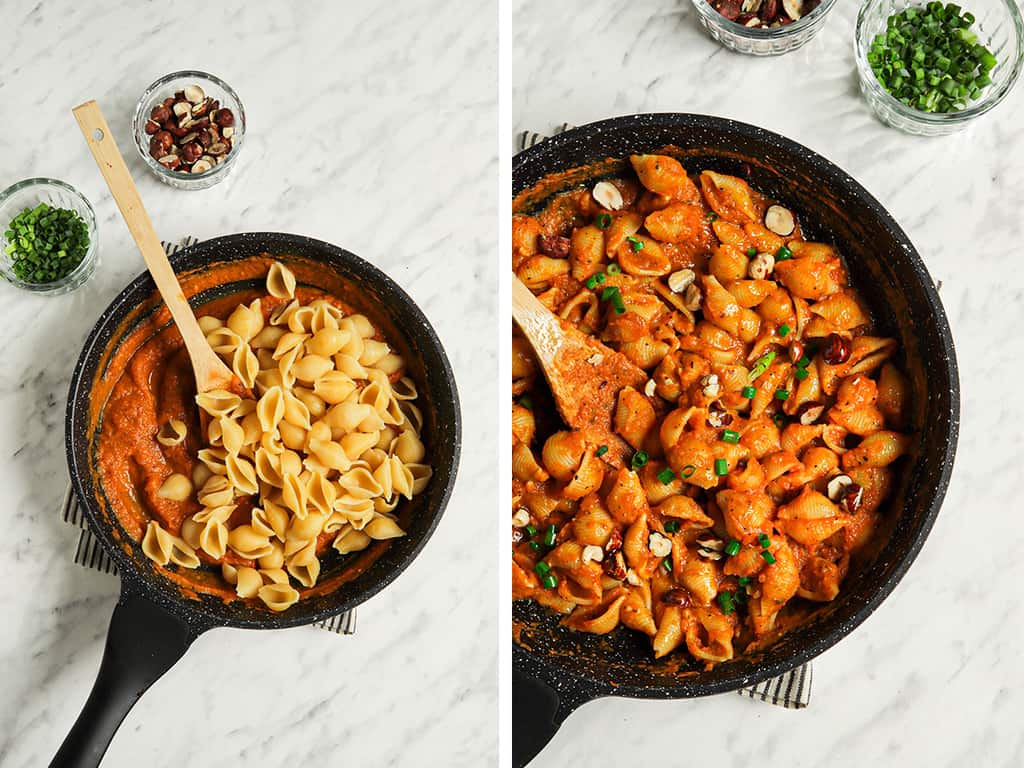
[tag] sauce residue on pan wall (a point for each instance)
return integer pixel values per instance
(145, 378)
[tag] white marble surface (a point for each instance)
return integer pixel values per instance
(934, 676)
(371, 125)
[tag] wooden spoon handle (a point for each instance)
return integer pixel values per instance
(538, 323)
(210, 370)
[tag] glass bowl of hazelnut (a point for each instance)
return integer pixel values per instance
(189, 128)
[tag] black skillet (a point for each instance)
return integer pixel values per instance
(153, 624)
(556, 670)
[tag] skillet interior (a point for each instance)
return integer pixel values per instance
(892, 279)
(369, 291)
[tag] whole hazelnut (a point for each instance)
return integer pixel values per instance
(191, 152)
(179, 130)
(168, 102)
(224, 118)
(162, 139)
(160, 113)
(152, 126)
(205, 139)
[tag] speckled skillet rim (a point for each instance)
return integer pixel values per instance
(197, 614)
(549, 157)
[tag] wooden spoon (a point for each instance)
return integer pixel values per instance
(210, 371)
(584, 375)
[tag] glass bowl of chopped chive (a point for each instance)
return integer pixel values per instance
(929, 68)
(47, 236)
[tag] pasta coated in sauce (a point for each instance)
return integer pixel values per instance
(764, 439)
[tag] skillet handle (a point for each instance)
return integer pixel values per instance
(537, 714)
(143, 642)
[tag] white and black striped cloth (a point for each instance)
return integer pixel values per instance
(791, 690)
(90, 553)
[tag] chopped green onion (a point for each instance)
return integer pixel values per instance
(743, 580)
(781, 394)
(783, 331)
(535, 546)
(603, 221)
(721, 467)
(768, 557)
(542, 568)
(667, 563)
(764, 541)
(671, 526)
(687, 471)
(46, 244)
(531, 530)
(783, 253)
(526, 402)
(801, 374)
(730, 436)
(549, 536)
(666, 476)
(550, 581)
(608, 292)
(803, 362)
(761, 365)
(711, 216)
(592, 282)
(639, 460)
(599, 277)
(748, 392)
(751, 252)
(929, 59)
(725, 602)
(601, 451)
(732, 548)
(614, 269)
(780, 420)
(636, 243)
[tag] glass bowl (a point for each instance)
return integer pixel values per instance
(998, 26)
(167, 86)
(30, 193)
(762, 42)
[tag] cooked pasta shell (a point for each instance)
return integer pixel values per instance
(294, 495)
(214, 539)
(350, 366)
(275, 559)
(267, 340)
(359, 483)
(382, 527)
(241, 474)
(404, 389)
(221, 513)
(246, 321)
(247, 543)
(323, 318)
(271, 443)
(421, 474)
(321, 493)
(232, 435)
(402, 480)
(334, 387)
(270, 408)
(313, 402)
(176, 487)
(218, 402)
(305, 569)
(390, 364)
(157, 543)
(300, 320)
(327, 342)
(350, 540)
(355, 444)
(292, 437)
(276, 517)
(283, 312)
(209, 323)
(278, 597)
(214, 459)
(311, 367)
(373, 352)
(172, 433)
(224, 341)
(248, 582)
(330, 454)
(280, 281)
(295, 411)
(190, 530)
(268, 467)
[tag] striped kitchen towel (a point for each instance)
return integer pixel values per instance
(90, 553)
(791, 690)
